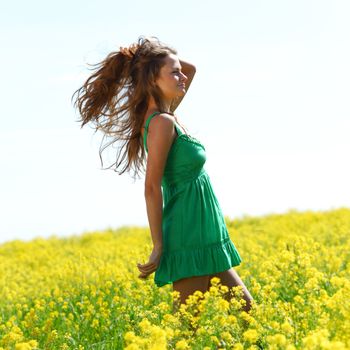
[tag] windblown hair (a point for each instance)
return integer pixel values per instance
(115, 99)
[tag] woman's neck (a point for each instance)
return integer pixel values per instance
(152, 106)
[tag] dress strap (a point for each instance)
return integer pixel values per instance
(179, 131)
(146, 129)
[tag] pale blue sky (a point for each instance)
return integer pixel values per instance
(270, 101)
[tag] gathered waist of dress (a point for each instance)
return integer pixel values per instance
(184, 179)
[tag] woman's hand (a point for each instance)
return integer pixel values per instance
(129, 51)
(152, 264)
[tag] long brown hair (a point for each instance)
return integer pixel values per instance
(115, 99)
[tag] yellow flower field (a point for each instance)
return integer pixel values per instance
(82, 292)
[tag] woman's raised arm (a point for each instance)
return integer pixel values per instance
(189, 70)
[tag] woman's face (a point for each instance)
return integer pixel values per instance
(171, 80)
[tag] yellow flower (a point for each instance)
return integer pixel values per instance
(169, 332)
(277, 339)
(224, 289)
(298, 299)
(256, 289)
(215, 339)
(286, 327)
(235, 304)
(337, 281)
(245, 316)
(215, 281)
(182, 345)
(158, 335)
(201, 331)
(129, 336)
(132, 347)
(33, 343)
(310, 341)
(170, 319)
(175, 294)
(231, 319)
(251, 335)
(145, 325)
(286, 256)
(23, 346)
(108, 284)
(95, 323)
(290, 347)
(198, 294)
(223, 305)
(226, 336)
(312, 283)
(238, 291)
(163, 306)
(214, 290)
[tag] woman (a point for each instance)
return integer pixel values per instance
(132, 96)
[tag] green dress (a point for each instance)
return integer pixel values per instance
(195, 237)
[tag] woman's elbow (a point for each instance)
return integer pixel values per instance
(152, 188)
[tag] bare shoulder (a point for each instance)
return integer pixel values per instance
(161, 121)
(160, 131)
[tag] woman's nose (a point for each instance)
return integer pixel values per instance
(184, 77)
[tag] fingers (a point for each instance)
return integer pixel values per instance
(133, 48)
(145, 274)
(125, 51)
(147, 267)
(128, 51)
